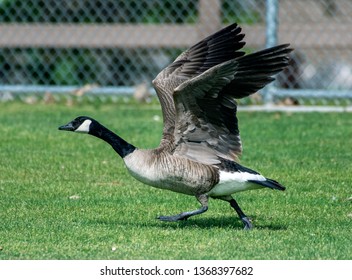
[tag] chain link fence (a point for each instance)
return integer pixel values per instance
(321, 68)
(112, 46)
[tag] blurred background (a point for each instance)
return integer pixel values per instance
(116, 47)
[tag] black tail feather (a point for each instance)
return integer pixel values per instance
(269, 183)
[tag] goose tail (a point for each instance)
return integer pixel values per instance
(269, 183)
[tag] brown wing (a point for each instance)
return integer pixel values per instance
(222, 46)
(206, 122)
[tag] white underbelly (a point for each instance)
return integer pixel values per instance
(235, 182)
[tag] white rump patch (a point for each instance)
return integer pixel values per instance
(239, 177)
(235, 182)
(84, 127)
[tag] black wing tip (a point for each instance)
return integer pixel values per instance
(232, 33)
(283, 47)
(233, 29)
(279, 53)
(232, 26)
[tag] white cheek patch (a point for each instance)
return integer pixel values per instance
(84, 127)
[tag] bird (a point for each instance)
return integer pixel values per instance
(200, 148)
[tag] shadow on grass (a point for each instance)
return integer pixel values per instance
(208, 223)
(232, 223)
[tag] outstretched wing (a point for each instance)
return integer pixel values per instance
(222, 46)
(206, 122)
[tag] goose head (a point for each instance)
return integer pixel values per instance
(80, 124)
(92, 127)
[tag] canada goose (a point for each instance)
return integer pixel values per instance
(199, 150)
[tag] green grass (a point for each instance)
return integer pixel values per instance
(68, 196)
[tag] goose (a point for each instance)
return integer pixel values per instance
(199, 151)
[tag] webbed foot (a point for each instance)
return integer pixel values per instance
(247, 223)
(183, 216)
(173, 218)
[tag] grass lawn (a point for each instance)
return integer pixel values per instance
(69, 196)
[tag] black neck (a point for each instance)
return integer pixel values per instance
(122, 147)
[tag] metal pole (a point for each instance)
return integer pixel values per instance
(272, 18)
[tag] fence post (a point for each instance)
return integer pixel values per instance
(272, 18)
(209, 17)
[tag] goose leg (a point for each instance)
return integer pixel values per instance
(203, 199)
(246, 221)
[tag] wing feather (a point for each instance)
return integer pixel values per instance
(222, 46)
(206, 106)
(197, 94)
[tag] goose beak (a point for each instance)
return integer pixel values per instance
(68, 127)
